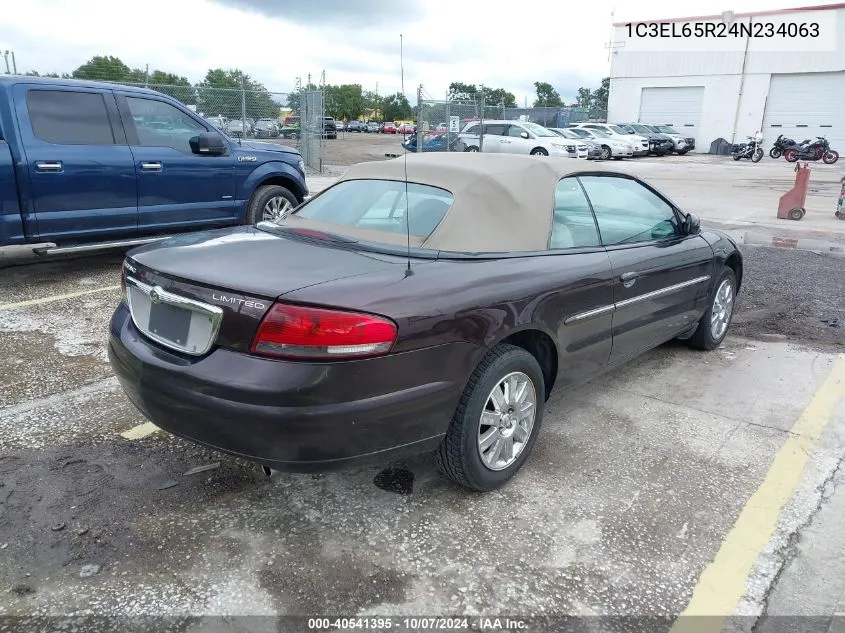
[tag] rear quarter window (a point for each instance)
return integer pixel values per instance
(65, 117)
(380, 205)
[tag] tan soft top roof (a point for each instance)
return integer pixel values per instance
(502, 202)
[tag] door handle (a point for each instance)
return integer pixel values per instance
(48, 165)
(629, 279)
(150, 166)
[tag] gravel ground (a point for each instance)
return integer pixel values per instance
(789, 294)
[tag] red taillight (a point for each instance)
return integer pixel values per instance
(289, 331)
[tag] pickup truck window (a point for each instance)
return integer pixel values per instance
(69, 118)
(160, 124)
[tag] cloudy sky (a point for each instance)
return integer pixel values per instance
(353, 41)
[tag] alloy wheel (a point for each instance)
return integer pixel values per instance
(720, 315)
(507, 421)
(276, 208)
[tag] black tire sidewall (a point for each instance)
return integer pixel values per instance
(539, 152)
(703, 337)
(478, 475)
(261, 196)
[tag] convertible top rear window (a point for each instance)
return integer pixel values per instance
(380, 205)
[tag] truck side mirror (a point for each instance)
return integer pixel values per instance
(209, 144)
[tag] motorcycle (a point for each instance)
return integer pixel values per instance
(782, 144)
(817, 150)
(750, 149)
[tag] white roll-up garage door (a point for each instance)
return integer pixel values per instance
(806, 105)
(678, 106)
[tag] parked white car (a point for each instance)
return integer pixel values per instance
(518, 137)
(611, 147)
(638, 143)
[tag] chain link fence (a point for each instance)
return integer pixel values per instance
(293, 119)
(435, 118)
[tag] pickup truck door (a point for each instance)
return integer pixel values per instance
(177, 189)
(81, 171)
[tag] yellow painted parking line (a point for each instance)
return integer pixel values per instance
(140, 431)
(722, 584)
(71, 295)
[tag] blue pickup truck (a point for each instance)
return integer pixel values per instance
(87, 166)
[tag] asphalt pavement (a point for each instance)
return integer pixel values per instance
(640, 487)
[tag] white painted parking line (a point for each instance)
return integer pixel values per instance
(723, 583)
(71, 295)
(141, 431)
(57, 399)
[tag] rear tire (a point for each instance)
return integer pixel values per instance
(471, 148)
(707, 336)
(737, 157)
(265, 196)
(459, 457)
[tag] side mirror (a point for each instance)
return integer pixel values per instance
(524, 135)
(692, 224)
(209, 144)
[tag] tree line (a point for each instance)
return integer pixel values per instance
(546, 95)
(219, 93)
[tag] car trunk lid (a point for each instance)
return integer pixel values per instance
(256, 262)
(233, 276)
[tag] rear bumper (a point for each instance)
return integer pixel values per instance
(289, 415)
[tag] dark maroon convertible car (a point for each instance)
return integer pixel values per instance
(389, 316)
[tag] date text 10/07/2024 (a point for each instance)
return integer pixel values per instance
(722, 29)
(381, 623)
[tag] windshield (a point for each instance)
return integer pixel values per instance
(643, 129)
(537, 130)
(600, 133)
(627, 129)
(618, 129)
(666, 129)
(568, 134)
(379, 205)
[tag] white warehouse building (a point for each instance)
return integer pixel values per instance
(713, 88)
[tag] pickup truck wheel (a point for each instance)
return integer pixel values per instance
(270, 202)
